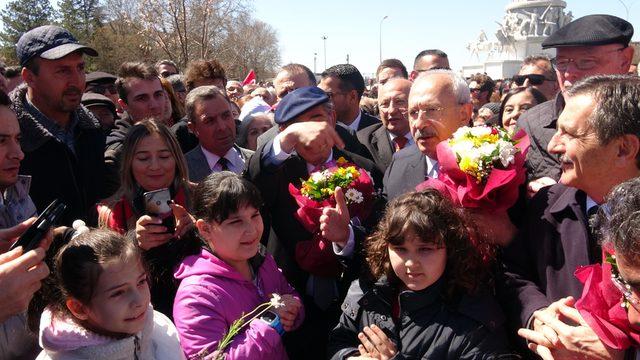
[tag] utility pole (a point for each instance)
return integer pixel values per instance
(347, 58)
(324, 39)
(381, 37)
(315, 58)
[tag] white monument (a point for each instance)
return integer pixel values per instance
(523, 29)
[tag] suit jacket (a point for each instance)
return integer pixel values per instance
(367, 120)
(553, 242)
(199, 167)
(376, 139)
(540, 124)
(407, 169)
(273, 183)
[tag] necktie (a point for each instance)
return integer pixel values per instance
(595, 250)
(400, 142)
(224, 164)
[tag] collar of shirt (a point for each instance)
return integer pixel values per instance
(311, 167)
(432, 167)
(590, 203)
(51, 126)
(407, 136)
(236, 164)
(354, 125)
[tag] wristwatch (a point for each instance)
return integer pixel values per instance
(273, 320)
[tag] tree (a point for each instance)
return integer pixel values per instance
(83, 17)
(20, 16)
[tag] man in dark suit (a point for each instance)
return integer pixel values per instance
(210, 119)
(384, 139)
(439, 103)
(307, 140)
(598, 144)
(345, 85)
(590, 45)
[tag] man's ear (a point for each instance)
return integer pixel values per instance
(331, 117)
(27, 76)
(77, 309)
(192, 127)
(627, 57)
(628, 149)
(413, 75)
(123, 104)
(466, 110)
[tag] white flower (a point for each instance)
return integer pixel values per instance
(486, 149)
(461, 132)
(317, 176)
(276, 301)
(507, 155)
(354, 196)
(462, 146)
(479, 131)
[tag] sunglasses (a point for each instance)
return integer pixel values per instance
(534, 79)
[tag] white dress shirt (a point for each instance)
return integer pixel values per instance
(354, 125)
(235, 162)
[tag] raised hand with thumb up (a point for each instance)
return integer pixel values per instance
(334, 222)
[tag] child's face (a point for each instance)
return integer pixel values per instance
(417, 264)
(237, 238)
(121, 298)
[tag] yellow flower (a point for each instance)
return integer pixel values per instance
(341, 160)
(467, 165)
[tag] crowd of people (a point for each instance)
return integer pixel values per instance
(416, 278)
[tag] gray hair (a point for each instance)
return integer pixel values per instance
(618, 222)
(459, 85)
(617, 110)
(200, 93)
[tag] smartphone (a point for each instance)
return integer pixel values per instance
(31, 238)
(156, 203)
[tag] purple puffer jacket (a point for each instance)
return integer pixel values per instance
(212, 295)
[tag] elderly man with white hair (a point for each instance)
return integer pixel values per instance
(439, 104)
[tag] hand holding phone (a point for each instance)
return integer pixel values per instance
(157, 204)
(31, 238)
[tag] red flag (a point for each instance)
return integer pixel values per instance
(250, 79)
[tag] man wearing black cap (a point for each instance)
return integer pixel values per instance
(591, 45)
(102, 108)
(307, 140)
(102, 83)
(62, 142)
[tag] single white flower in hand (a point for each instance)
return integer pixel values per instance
(317, 176)
(507, 155)
(276, 301)
(354, 196)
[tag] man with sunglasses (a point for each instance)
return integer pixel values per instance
(537, 72)
(591, 45)
(103, 83)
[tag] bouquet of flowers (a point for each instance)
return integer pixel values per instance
(235, 328)
(603, 306)
(481, 167)
(316, 193)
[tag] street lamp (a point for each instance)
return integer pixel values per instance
(315, 57)
(381, 37)
(324, 39)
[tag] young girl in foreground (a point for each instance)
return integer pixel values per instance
(99, 308)
(230, 275)
(423, 301)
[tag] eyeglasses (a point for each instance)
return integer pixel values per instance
(534, 79)
(581, 64)
(102, 88)
(399, 105)
(429, 112)
(626, 291)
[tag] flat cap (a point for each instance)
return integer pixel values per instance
(100, 77)
(591, 30)
(93, 99)
(49, 42)
(298, 101)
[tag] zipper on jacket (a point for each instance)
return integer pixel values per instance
(136, 345)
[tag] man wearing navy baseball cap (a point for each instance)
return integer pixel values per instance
(306, 141)
(590, 45)
(62, 141)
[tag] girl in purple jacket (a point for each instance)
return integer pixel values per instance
(229, 275)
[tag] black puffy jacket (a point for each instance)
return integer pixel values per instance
(428, 327)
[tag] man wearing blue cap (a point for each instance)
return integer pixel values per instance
(62, 142)
(590, 45)
(306, 141)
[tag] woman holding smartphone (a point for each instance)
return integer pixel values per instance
(153, 171)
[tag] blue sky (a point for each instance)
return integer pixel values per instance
(352, 27)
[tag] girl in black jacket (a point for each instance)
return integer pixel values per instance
(425, 299)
